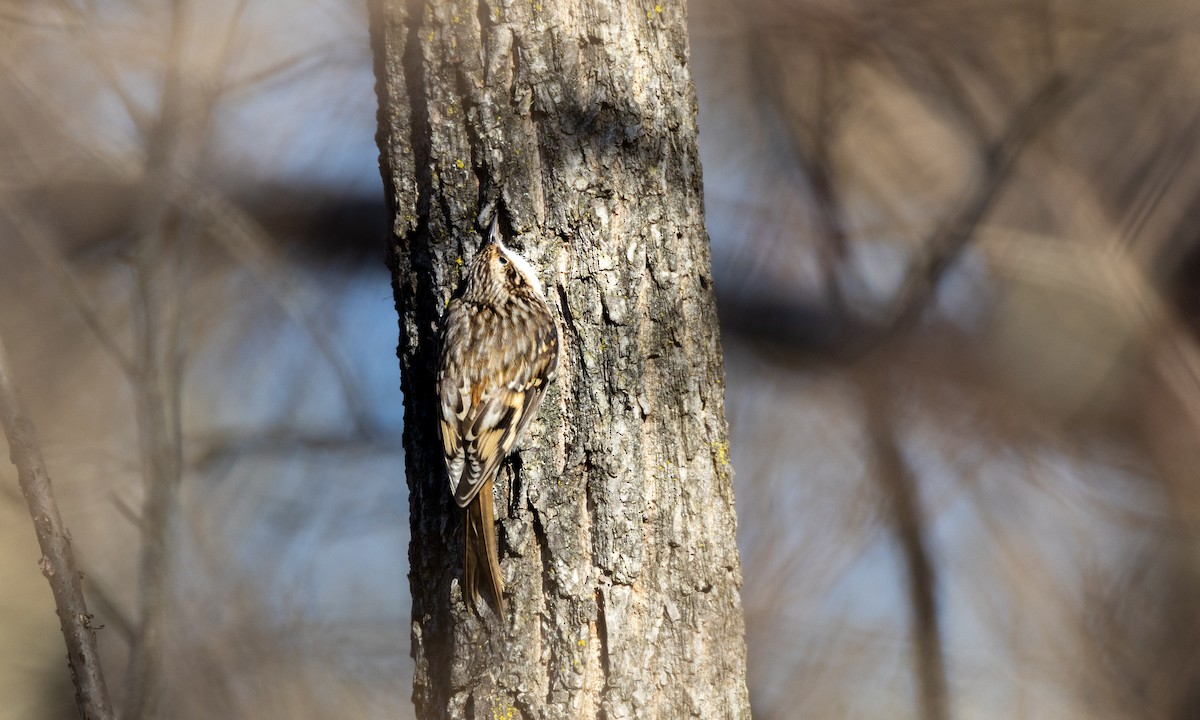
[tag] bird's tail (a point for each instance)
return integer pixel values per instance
(481, 561)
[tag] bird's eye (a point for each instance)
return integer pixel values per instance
(503, 260)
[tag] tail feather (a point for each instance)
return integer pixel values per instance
(481, 559)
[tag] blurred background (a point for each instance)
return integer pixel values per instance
(958, 269)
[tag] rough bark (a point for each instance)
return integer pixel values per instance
(575, 120)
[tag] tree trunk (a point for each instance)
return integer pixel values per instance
(575, 120)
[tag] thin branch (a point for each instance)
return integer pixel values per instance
(247, 242)
(42, 244)
(101, 57)
(241, 236)
(57, 563)
(1161, 180)
(289, 68)
(219, 447)
(929, 76)
(225, 54)
(810, 147)
(900, 493)
(125, 167)
(157, 415)
(1056, 95)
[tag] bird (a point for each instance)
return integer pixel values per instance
(499, 351)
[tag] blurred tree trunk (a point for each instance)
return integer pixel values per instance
(576, 121)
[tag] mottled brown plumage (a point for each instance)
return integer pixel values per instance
(499, 350)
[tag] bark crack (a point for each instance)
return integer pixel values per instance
(542, 541)
(568, 318)
(418, 106)
(472, 104)
(483, 15)
(605, 659)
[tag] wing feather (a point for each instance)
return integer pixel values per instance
(490, 386)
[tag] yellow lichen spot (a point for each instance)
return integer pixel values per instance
(450, 110)
(582, 643)
(649, 15)
(721, 451)
(430, 36)
(460, 164)
(658, 9)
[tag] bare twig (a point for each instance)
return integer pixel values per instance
(57, 563)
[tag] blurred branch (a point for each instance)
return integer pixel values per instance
(127, 511)
(13, 17)
(225, 54)
(933, 70)
(174, 147)
(228, 225)
(1161, 178)
(57, 563)
(810, 144)
(86, 137)
(223, 447)
(284, 70)
(1057, 94)
(101, 57)
(823, 176)
(250, 245)
(902, 499)
(107, 609)
(42, 244)
(786, 324)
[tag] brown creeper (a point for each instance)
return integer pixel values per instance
(499, 351)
